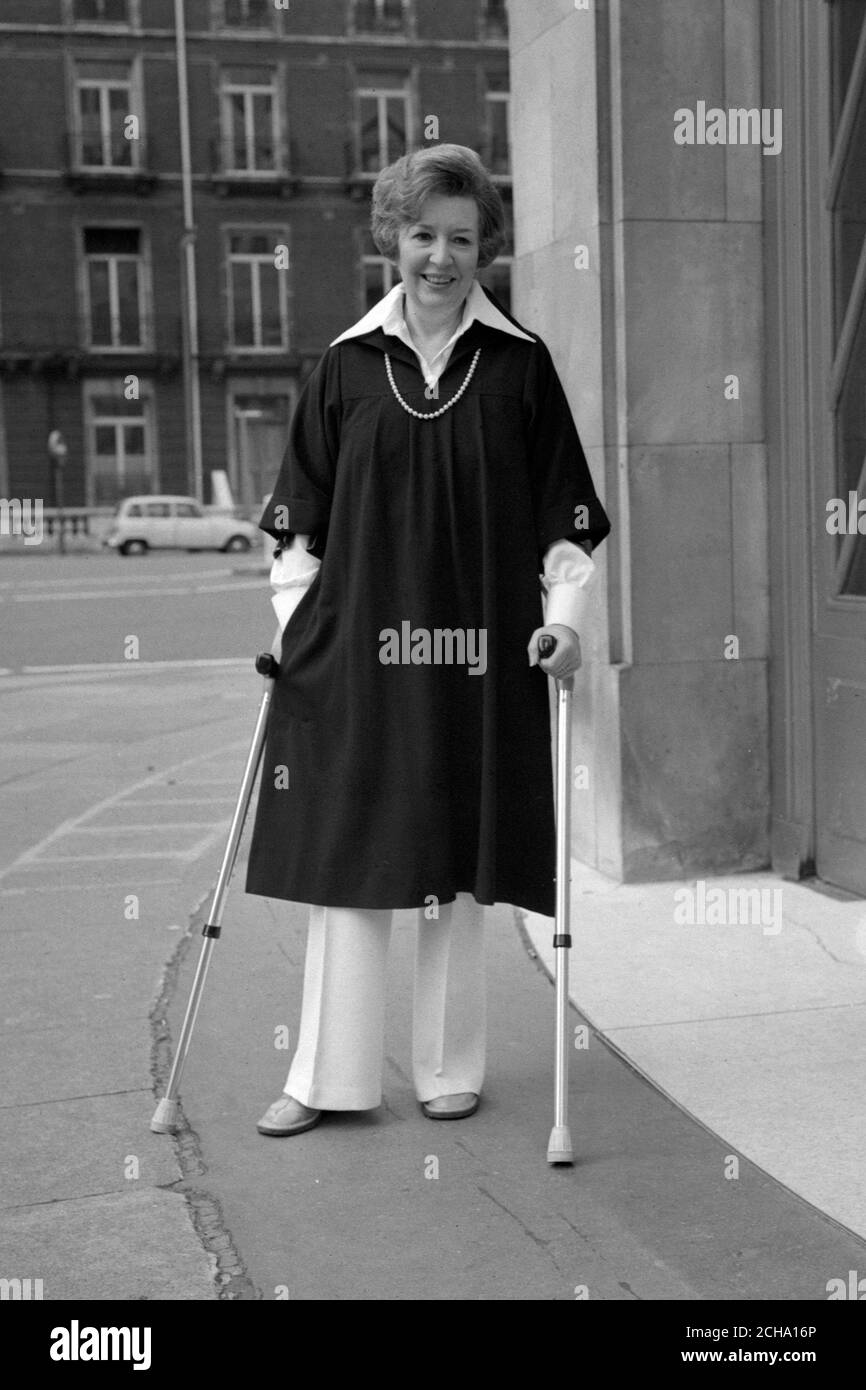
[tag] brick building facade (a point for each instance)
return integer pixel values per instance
(293, 109)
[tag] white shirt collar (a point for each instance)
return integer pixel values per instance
(388, 315)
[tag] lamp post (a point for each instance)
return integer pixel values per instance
(192, 385)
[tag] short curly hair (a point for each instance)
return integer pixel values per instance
(450, 171)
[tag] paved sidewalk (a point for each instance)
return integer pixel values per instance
(388, 1205)
(757, 1029)
(99, 802)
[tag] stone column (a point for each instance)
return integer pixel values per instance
(658, 335)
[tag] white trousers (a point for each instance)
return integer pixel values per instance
(339, 1058)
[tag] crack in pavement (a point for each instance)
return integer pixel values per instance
(58, 1201)
(461, 1144)
(628, 1288)
(810, 931)
(542, 1244)
(395, 1066)
(227, 1267)
(62, 1100)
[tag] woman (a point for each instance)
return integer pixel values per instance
(432, 471)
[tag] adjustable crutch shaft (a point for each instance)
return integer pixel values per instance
(559, 1149)
(165, 1118)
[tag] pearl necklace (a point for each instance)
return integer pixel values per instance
(419, 415)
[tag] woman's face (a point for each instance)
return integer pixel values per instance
(438, 254)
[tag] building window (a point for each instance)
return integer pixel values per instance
(257, 292)
(249, 121)
(380, 16)
(496, 277)
(103, 100)
(494, 19)
(247, 14)
(384, 121)
(378, 275)
(100, 12)
(497, 142)
(120, 443)
(114, 288)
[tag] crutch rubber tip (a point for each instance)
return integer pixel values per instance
(559, 1148)
(165, 1117)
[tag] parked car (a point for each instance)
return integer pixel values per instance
(175, 523)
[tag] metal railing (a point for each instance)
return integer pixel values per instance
(69, 528)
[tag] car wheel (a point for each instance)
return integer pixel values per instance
(134, 548)
(235, 544)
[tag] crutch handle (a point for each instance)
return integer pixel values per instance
(546, 648)
(267, 665)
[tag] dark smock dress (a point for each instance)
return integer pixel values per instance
(409, 781)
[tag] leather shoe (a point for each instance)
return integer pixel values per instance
(288, 1116)
(451, 1107)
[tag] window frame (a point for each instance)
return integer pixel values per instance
(142, 259)
(257, 349)
(226, 90)
(132, 21)
(362, 91)
(491, 98)
(406, 30)
(135, 107)
(218, 21)
(364, 260)
(485, 30)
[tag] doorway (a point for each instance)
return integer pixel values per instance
(840, 475)
(815, 235)
(259, 432)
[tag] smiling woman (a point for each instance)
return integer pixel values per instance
(450, 170)
(441, 220)
(409, 785)
(437, 260)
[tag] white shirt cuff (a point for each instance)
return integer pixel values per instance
(566, 560)
(292, 572)
(568, 570)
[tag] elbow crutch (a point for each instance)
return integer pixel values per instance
(165, 1119)
(559, 1149)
